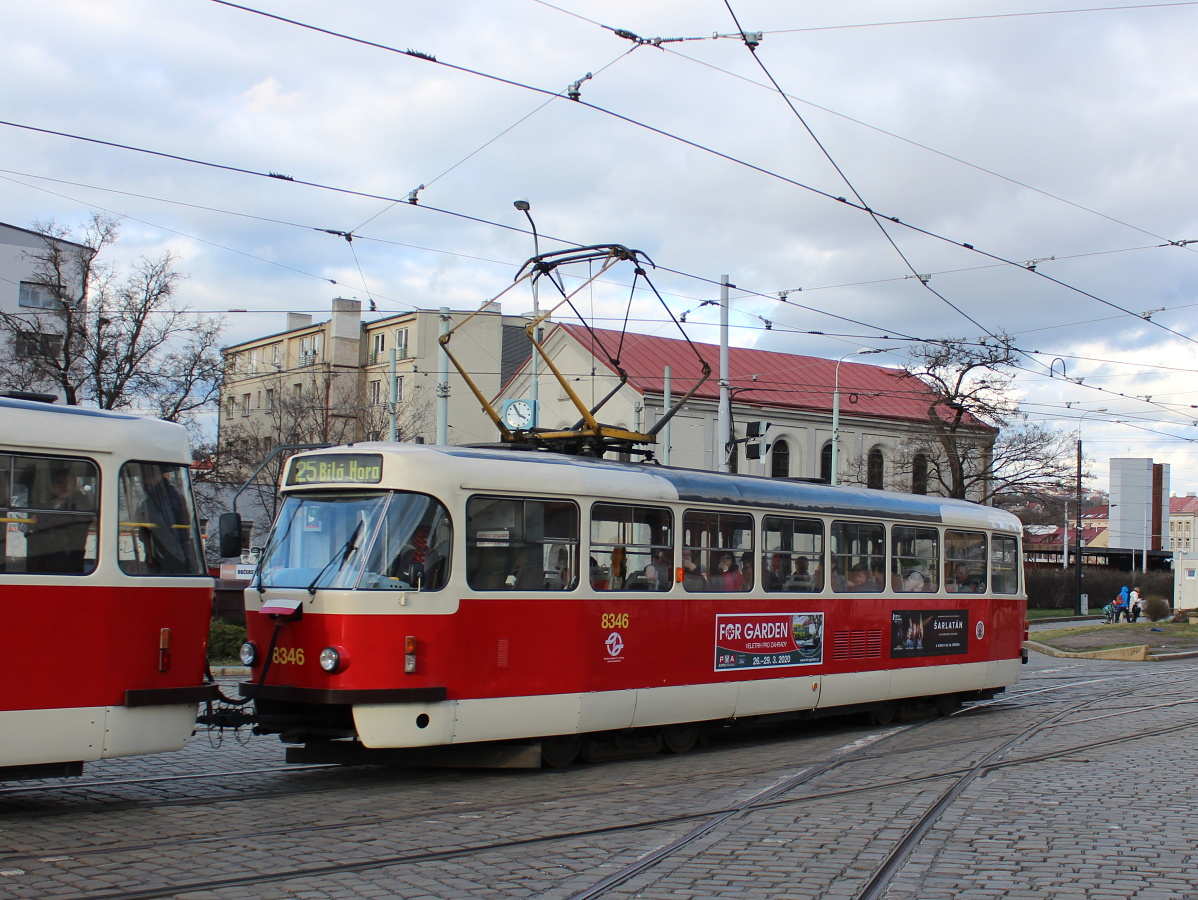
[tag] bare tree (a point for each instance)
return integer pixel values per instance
(975, 443)
(317, 406)
(109, 338)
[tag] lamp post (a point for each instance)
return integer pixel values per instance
(835, 473)
(1077, 603)
(533, 395)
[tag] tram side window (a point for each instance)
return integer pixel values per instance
(1004, 564)
(792, 554)
(964, 562)
(159, 534)
(717, 551)
(523, 545)
(914, 559)
(48, 510)
(858, 557)
(632, 548)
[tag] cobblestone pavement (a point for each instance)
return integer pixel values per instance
(1085, 793)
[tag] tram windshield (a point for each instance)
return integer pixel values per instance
(364, 540)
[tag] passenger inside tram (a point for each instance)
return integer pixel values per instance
(746, 571)
(726, 576)
(692, 578)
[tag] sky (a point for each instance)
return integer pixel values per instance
(1029, 165)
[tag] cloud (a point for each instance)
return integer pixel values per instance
(1060, 139)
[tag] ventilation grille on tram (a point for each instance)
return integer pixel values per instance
(856, 644)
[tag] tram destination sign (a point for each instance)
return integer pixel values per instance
(338, 468)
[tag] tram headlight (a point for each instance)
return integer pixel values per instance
(248, 653)
(334, 659)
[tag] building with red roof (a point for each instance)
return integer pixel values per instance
(883, 412)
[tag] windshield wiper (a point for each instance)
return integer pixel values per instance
(339, 557)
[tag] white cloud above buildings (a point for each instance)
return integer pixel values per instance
(1039, 135)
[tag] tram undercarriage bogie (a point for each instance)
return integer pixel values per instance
(327, 736)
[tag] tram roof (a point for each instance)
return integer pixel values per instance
(47, 426)
(787, 380)
(540, 473)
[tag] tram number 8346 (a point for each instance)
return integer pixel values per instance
(613, 620)
(287, 656)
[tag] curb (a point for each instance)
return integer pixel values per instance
(230, 672)
(1127, 654)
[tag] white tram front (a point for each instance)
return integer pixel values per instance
(418, 596)
(104, 595)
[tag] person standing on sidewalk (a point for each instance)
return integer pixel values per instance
(1133, 605)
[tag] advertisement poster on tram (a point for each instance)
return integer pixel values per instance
(768, 640)
(929, 632)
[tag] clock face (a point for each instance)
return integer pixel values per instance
(518, 414)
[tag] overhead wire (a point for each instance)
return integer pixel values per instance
(780, 325)
(780, 295)
(752, 48)
(987, 16)
(429, 58)
(275, 175)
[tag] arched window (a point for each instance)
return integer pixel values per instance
(780, 465)
(873, 478)
(919, 474)
(825, 463)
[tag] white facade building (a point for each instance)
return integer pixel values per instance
(1139, 507)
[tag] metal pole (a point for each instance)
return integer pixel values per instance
(1065, 539)
(1077, 603)
(534, 390)
(1144, 558)
(665, 405)
(443, 382)
(393, 429)
(835, 426)
(1077, 558)
(724, 422)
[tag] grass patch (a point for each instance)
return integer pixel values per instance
(1035, 614)
(1158, 635)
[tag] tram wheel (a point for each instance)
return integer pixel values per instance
(560, 751)
(680, 738)
(884, 713)
(947, 704)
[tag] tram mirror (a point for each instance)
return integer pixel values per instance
(230, 534)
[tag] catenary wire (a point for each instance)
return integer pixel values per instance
(686, 141)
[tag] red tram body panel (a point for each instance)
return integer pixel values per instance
(381, 613)
(103, 591)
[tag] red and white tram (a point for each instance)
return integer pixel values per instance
(428, 596)
(104, 596)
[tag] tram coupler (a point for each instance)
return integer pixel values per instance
(227, 717)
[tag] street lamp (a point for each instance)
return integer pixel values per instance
(864, 351)
(524, 207)
(1077, 603)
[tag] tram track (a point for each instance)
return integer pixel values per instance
(702, 822)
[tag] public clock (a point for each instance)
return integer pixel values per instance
(519, 413)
